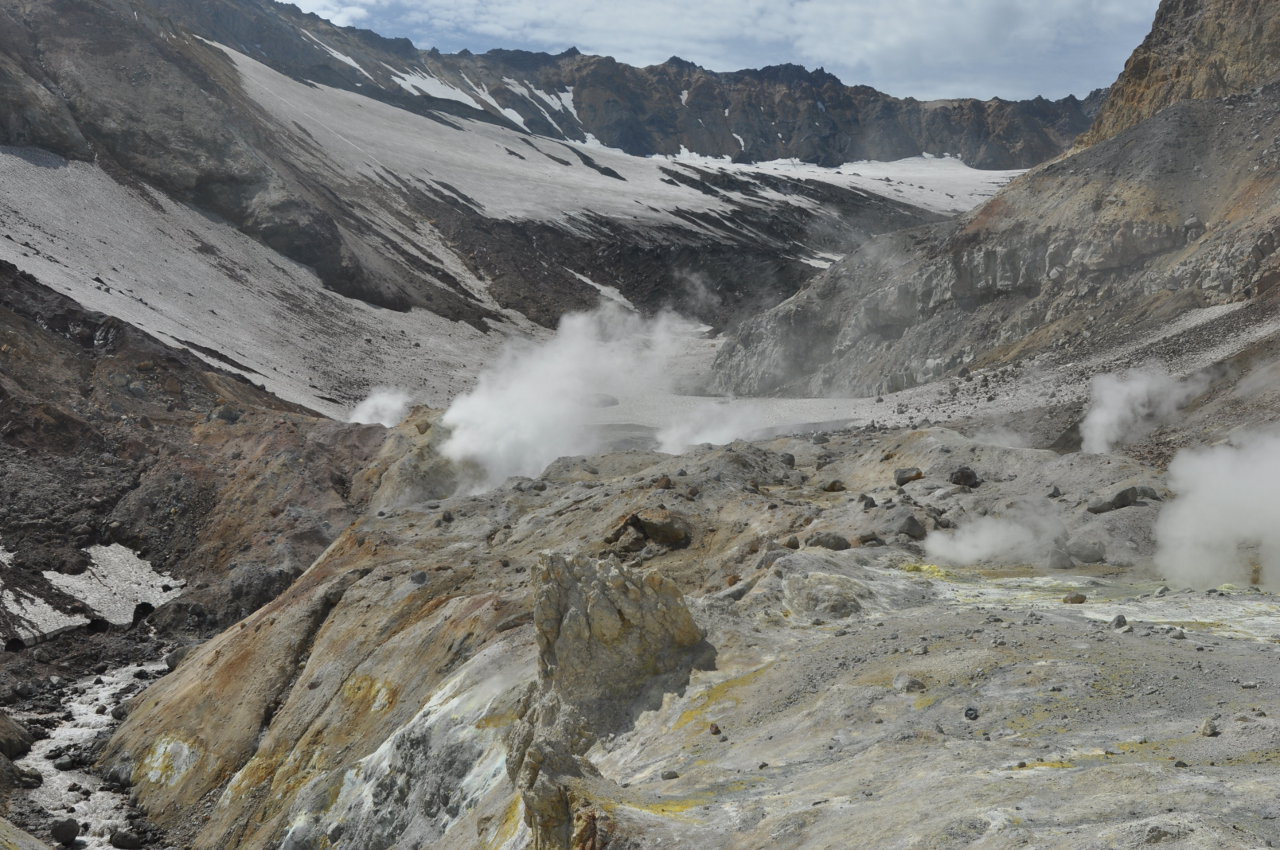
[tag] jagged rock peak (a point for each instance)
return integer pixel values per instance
(1196, 49)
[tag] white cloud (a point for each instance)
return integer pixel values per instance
(921, 48)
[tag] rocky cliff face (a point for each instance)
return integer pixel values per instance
(1068, 261)
(772, 113)
(1196, 49)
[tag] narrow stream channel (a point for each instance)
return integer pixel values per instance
(75, 793)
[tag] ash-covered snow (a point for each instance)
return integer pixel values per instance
(112, 586)
(187, 279)
(116, 582)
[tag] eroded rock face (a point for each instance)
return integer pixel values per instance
(610, 642)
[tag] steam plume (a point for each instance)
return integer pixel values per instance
(385, 406)
(1126, 406)
(1024, 535)
(531, 407)
(1222, 523)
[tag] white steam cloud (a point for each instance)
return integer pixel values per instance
(538, 401)
(1222, 525)
(1023, 536)
(1126, 406)
(385, 406)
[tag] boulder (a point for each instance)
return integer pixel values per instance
(906, 475)
(1087, 551)
(15, 740)
(827, 540)
(65, 831)
(911, 527)
(659, 525)
(965, 477)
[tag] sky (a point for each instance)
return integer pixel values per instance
(909, 48)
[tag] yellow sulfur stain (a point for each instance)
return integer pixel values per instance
(498, 720)
(510, 824)
(169, 760)
(717, 693)
(366, 693)
(924, 702)
(931, 570)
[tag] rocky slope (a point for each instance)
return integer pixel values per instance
(916, 629)
(729, 648)
(1075, 257)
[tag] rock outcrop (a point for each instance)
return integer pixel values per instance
(1196, 49)
(610, 643)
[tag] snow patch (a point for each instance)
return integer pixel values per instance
(420, 82)
(610, 292)
(116, 582)
(341, 57)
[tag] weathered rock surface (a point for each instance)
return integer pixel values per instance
(610, 644)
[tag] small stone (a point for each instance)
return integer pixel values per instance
(828, 540)
(971, 713)
(833, 486)
(1118, 621)
(27, 778)
(907, 474)
(1209, 729)
(1248, 686)
(965, 477)
(125, 840)
(670, 774)
(906, 683)
(1178, 634)
(792, 542)
(1179, 763)
(866, 501)
(1074, 599)
(714, 729)
(1055, 492)
(1101, 506)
